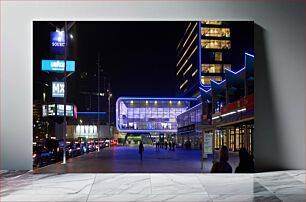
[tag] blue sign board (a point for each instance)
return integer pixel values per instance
(57, 65)
(57, 40)
(58, 89)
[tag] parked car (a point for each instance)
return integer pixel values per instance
(41, 156)
(56, 147)
(80, 150)
(72, 150)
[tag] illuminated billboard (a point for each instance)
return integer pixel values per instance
(44, 110)
(58, 110)
(57, 65)
(57, 42)
(58, 89)
(51, 110)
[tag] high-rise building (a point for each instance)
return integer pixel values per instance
(203, 54)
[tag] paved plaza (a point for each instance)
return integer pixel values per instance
(127, 160)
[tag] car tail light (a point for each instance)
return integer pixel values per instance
(57, 149)
(34, 155)
(79, 148)
(70, 150)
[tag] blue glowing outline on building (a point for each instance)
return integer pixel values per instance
(167, 126)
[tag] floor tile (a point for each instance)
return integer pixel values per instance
(115, 184)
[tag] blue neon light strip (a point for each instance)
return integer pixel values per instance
(235, 72)
(200, 56)
(57, 65)
(92, 113)
(217, 82)
(249, 54)
(191, 108)
(206, 91)
(156, 98)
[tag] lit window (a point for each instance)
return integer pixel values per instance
(216, 44)
(183, 36)
(183, 84)
(194, 73)
(210, 22)
(211, 68)
(206, 79)
(187, 49)
(190, 34)
(181, 67)
(227, 66)
(187, 69)
(215, 32)
(218, 56)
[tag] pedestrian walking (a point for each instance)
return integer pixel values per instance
(141, 149)
(170, 146)
(173, 146)
(166, 145)
(222, 166)
(157, 146)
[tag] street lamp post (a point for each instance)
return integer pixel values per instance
(98, 126)
(109, 98)
(65, 94)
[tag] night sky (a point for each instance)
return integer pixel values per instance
(138, 57)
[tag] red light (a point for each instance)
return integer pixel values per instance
(34, 155)
(70, 150)
(79, 148)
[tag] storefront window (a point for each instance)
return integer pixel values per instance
(216, 44)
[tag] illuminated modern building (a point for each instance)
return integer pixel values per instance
(149, 115)
(203, 54)
(232, 113)
(227, 111)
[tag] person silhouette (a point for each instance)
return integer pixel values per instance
(246, 164)
(141, 149)
(222, 166)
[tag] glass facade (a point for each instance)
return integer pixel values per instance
(149, 114)
(190, 127)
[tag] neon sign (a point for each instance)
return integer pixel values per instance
(57, 65)
(58, 89)
(57, 40)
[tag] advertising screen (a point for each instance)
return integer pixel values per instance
(57, 42)
(44, 110)
(57, 65)
(60, 110)
(51, 110)
(58, 89)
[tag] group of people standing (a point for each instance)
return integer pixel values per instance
(165, 145)
(246, 163)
